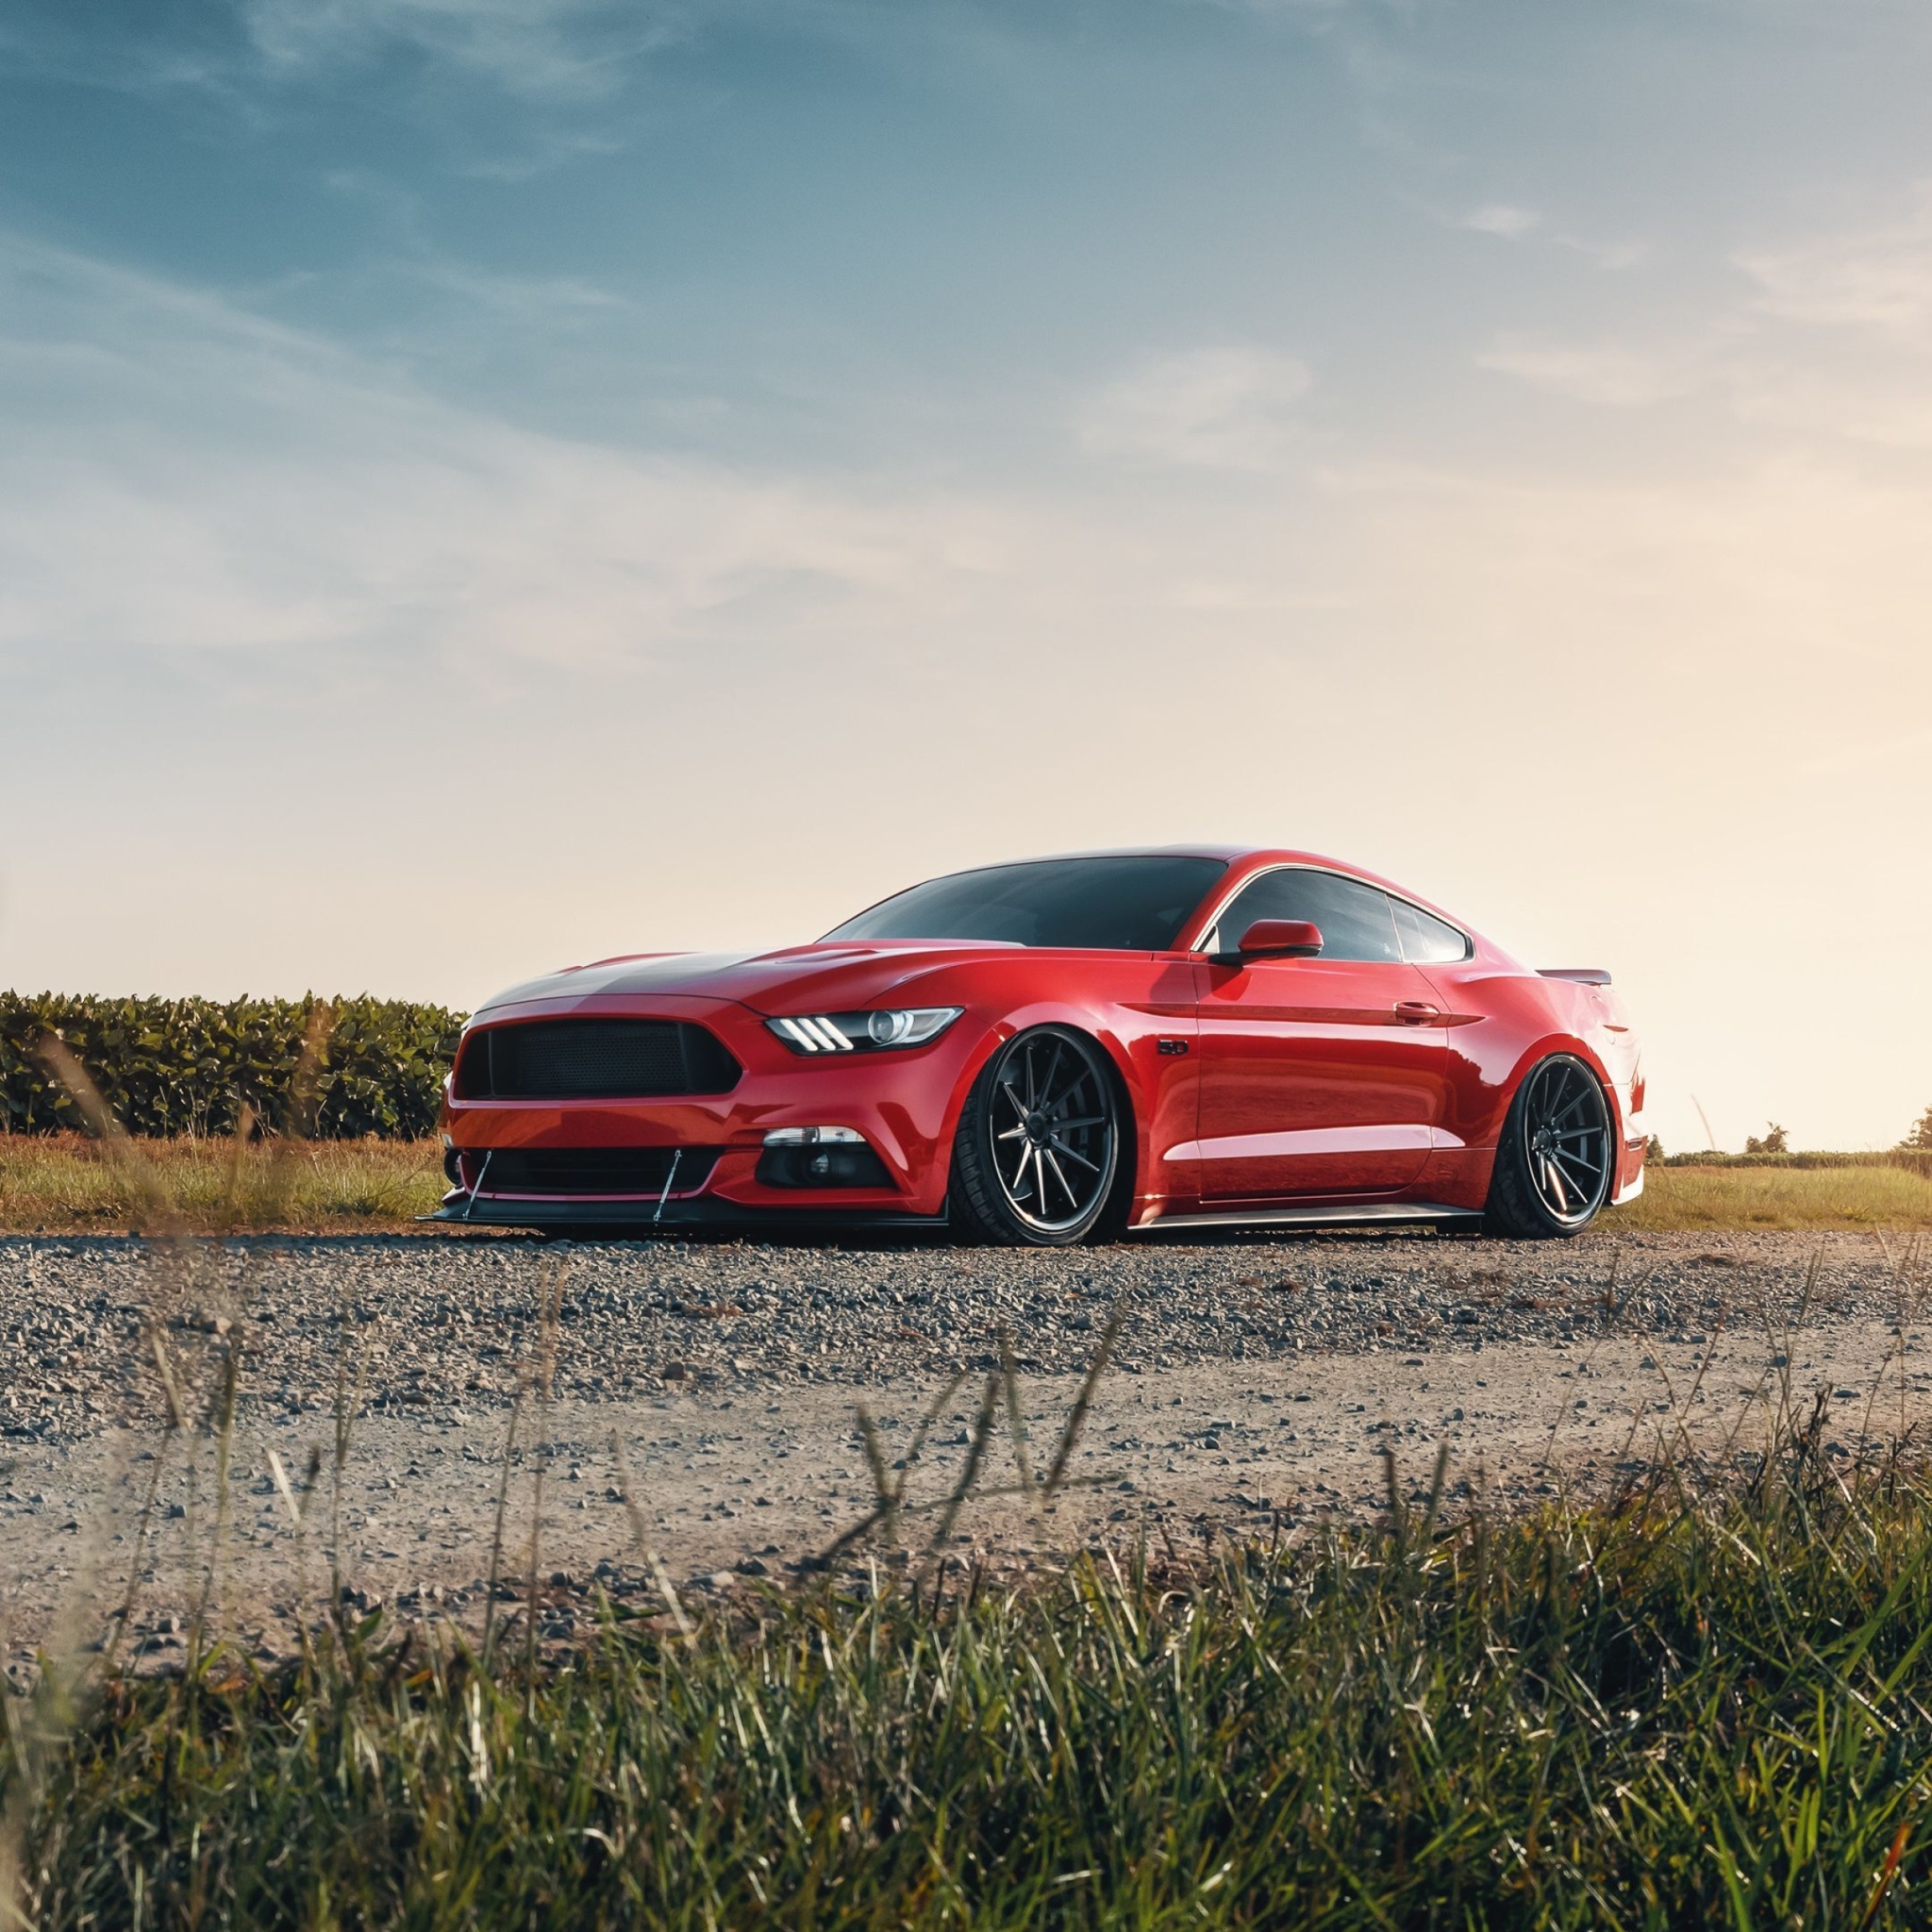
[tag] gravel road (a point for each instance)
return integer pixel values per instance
(1253, 1383)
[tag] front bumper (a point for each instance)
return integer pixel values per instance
(903, 1102)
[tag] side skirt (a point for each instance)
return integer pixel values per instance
(1314, 1217)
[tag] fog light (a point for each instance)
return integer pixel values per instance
(820, 1158)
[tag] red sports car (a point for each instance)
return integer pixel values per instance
(1058, 1051)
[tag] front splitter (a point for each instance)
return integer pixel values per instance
(651, 1217)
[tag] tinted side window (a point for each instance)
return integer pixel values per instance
(1426, 939)
(1355, 919)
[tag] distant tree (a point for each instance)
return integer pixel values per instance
(1654, 1149)
(1920, 1136)
(1773, 1140)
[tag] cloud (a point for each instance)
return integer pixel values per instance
(1877, 281)
(1608, 374)
(1766, 358)
(1228, 408)
(1605, 255)
(1891, 408)
(183, 479)
(546, 49)
(1509, 222)
(1500, 218)
(544, 53)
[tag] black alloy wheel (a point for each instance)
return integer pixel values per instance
(1039, 1147)
(1557, 1161)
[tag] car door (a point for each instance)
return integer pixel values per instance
(1323, 1075)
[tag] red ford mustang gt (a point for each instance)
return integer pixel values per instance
(1058, 1051)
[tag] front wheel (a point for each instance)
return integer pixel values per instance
(1038, 1152)
(1556, 1161)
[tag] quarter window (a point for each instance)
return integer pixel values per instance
(1355, 919)
(1427, 941)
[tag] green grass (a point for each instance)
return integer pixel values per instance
(1667, 1713)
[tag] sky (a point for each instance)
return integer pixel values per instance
(486, 484)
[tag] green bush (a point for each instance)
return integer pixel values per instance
(188, 1066)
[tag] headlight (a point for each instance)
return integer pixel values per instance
(865, 1032)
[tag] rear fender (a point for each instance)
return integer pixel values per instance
(1576, 1049)
(1627, 1180)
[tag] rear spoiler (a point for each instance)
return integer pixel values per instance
(1581, 975)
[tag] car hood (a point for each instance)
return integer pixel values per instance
(829, 976)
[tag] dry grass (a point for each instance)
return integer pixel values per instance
(60, 1184)
(1778, 1197)
(63, 1184)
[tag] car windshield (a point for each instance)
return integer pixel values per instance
(1126, 905)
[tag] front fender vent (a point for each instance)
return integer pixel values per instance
(593, 1059)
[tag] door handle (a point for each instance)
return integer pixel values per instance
(1416, 1012)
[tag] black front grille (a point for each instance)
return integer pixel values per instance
(588, 1170)
(593, 1059)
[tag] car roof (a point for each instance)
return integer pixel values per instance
(1188, 851)
(1228, 854)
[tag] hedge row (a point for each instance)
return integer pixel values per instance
(188, 1066)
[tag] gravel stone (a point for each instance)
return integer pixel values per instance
(1252, 1377)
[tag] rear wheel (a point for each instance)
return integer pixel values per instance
(1556, 1163)
(1038, 1154)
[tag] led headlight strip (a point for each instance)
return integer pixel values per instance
(865, 1032)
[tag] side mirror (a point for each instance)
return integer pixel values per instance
(1280, 938)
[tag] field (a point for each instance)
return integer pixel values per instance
(60, 1183)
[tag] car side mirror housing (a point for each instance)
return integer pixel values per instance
(1280, 938)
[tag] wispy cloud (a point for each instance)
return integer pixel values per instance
(1608, 374)
(1226, 407)
(1887, 406)
(1833, 341)
(1875, 280)
(184, 477)
(549, 57)
(1502, 218)
(546, 49)
(1605, 255)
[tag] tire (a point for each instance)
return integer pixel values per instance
(1556, 1161)
(1038, 1160)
